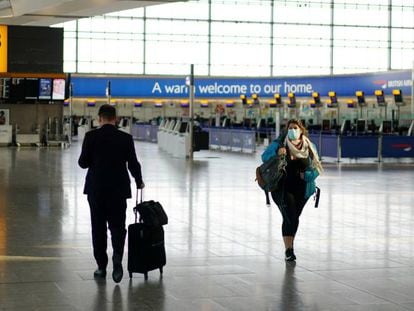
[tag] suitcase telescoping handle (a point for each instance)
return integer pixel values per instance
(136, 204)
(142, 190)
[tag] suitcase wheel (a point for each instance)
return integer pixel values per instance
(145, 276)
(130, 275)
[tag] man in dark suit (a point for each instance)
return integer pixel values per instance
(107, 153)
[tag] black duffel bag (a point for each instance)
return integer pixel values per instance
(151, 213)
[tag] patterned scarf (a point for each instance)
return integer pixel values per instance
(302, 151)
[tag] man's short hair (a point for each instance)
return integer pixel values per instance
(107, 112)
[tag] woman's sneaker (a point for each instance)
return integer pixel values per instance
(290, 255)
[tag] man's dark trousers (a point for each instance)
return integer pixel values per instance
(112, 211)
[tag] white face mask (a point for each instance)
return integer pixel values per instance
(294, 134)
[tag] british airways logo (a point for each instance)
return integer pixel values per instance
(382, 83)
(405, 147)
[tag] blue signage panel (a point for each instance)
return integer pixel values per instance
(359, 146)
(249, 140)
(164, 87)
(398, 146)
(329, 146)
(236, 140)
(214, 135)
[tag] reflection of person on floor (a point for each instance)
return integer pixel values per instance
(290, 297)
(2, 118)
(303, 166)
(107, 153)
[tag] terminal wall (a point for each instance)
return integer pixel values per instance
(29, 117)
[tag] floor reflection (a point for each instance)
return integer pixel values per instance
(224, 246)
(149, 294)
(100, 300)
(290, 298)
(117, 301)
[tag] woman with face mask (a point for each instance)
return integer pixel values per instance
(303, 166)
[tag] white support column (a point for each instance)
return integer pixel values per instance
(191, 111)
(412, 93)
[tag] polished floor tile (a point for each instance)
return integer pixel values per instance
(224, 246)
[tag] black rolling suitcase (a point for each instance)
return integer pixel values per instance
(146, 250)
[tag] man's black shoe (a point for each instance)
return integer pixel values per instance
(99, 273)
(118, 273)
(290, 255)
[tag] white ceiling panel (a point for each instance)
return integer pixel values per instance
(49, 12)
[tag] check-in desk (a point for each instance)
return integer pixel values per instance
(28, 139)
(174, 138)
(6, 135)
(83, 128)
(363, 146)
(124, 125)
(236, 140)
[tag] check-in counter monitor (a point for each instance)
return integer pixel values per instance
(398, 97)
(386, 127)
(261, 123)
(278, 99)
(83, 121)
(361, 126)
(162, 124)
(379, 94)
(411, 129)
(243, 99)
(183, 127)
(225, 122)
(326, 125)
(176, 127)
(333, 100)
(123, 122)
(94, 123)
(372, 127)
(125, 125)
(346, 127)
(316, 100)
(248, 123)
(255, 98)
(171, 125)
(292, 100)
(361, 98)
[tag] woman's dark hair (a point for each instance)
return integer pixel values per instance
(107, 112)
(299, 124)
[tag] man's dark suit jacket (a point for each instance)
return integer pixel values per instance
(107, 153)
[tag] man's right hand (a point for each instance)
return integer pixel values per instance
(141, 186)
